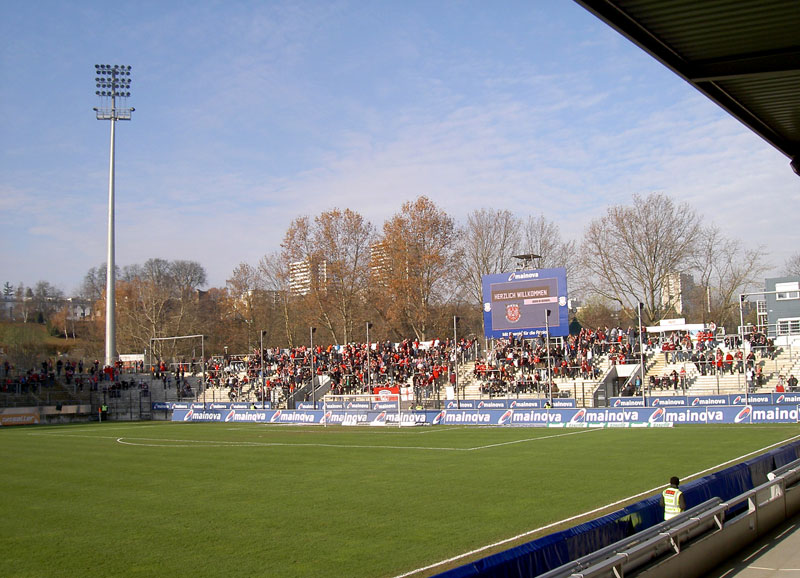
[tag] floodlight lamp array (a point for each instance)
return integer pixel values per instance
(113, 80)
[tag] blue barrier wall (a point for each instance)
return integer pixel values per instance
(549, 552)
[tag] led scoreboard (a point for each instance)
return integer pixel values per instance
(517, 303)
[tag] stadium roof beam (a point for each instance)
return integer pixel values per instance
(742, 54)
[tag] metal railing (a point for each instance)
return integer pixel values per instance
(647, 543)
(671, 537)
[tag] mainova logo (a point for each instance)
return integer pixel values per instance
(695, 401)
(326, 417)
(506, 417)
(188, 416)
(579, 415)
(439, 417)
(518, 275)
(737, 400)
(617, 403)
(743, 415)
(231, 415)
(491, 404)
(780, 399)
(656, 415)
(276, 416)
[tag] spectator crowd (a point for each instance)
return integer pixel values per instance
(511, 366)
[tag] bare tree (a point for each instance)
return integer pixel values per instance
(420, 250)
(489, 241)
(632, 250)
(334, 252)
(93, 287)
(242, 300)
(542, 237)
(63, 321)
(187, 278)
(792, 266)
(299, 254)
(157, 299)
(275, 281)
(725, 269)
(342, 240)
(47, 299)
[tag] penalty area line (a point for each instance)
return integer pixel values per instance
(584, 514)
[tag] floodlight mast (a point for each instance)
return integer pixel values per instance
(113, 82)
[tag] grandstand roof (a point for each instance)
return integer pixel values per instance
(743, 54)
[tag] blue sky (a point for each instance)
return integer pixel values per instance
(250, 114)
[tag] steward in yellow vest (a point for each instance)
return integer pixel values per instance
(672, 499)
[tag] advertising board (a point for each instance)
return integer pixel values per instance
(534, 417)
(518, 303)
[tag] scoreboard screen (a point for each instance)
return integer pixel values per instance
(517, 303)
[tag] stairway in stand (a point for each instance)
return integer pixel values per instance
(722, 384)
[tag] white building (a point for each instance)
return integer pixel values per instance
(676, 292)
(305, 275)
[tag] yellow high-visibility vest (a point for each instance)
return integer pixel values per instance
(672, 502)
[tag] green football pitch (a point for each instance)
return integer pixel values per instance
(174, 499)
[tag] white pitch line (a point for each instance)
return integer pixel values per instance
(572, 433)
(123, 442)
(352, 446)
(167, 442)
(50, 429)
(583, 515)
(217, 443)
(284, 444)
(117, 438)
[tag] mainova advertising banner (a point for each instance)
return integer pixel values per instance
(301, 417)
(518, 303)
(706, 400)
(508, 403)
(170, 405)
(572, 417)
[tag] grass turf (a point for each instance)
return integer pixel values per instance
(121, 499)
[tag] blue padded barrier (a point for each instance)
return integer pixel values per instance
(548, 552)
(759, 468)
(725, 484)
(535, 557)
(784, 455)
(645, 513)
